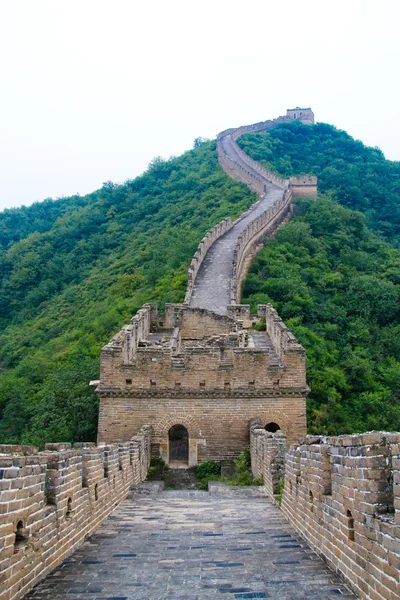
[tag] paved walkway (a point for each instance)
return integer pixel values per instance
(212, 286)
(193, 545)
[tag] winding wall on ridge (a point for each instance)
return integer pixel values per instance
(224, 255)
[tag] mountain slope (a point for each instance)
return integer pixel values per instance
(359, 177)
(73, 271)
(334, 274)
(67, 288)
(337, 287)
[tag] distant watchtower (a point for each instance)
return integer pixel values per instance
(305, 115)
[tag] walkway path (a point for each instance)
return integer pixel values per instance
(193, 545)
(212, 286)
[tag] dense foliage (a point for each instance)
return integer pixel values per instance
(73, 271)
(337, 287)
(359, 177)
(240, 476)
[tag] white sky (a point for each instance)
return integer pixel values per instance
(92, 90)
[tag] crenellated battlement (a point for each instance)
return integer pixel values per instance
(51, 500)
(343, 496)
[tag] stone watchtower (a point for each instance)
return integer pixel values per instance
(198, 378)
(201, 371)
(305, 115)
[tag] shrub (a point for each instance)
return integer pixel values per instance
(157, 468)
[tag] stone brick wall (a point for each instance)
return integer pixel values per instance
(216, 419)
(240, 173)
(269, 175)
(343, 495)
(283, 340)
(304, 187)
(204, 371)
(50, 501)
(305, 115)
(129, 337)
(235, 170)
(248, 242)
(268, 452)
(209, 373)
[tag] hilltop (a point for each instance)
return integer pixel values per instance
(74, 270)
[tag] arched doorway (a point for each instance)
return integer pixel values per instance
(272, 427)
(178, 437)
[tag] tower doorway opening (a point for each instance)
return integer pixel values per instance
(178, 437)
(272, 427)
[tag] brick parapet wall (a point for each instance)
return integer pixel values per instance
(50, 501)
(237, 171)
(286, 345)
(247, 244)
(267, 452)
(282, 338)
(233, 165)
(343, 495)
(127, 340)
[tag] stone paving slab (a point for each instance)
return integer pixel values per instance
(193, 545)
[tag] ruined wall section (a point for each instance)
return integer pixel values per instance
(127, 340)
(284, 341)
(267, 452)
(50, 501)
(342, 494)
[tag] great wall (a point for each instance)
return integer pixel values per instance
(199, 383)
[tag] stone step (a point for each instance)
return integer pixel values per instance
(148, 487)
(181, 479)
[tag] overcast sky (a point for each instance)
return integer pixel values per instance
(92, 90)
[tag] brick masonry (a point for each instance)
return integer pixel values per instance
(237, 164)
(342, 494)
(50, 501)
(208, 373)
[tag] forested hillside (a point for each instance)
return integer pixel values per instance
(333, 273)
(359, 177)
(74, 271)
